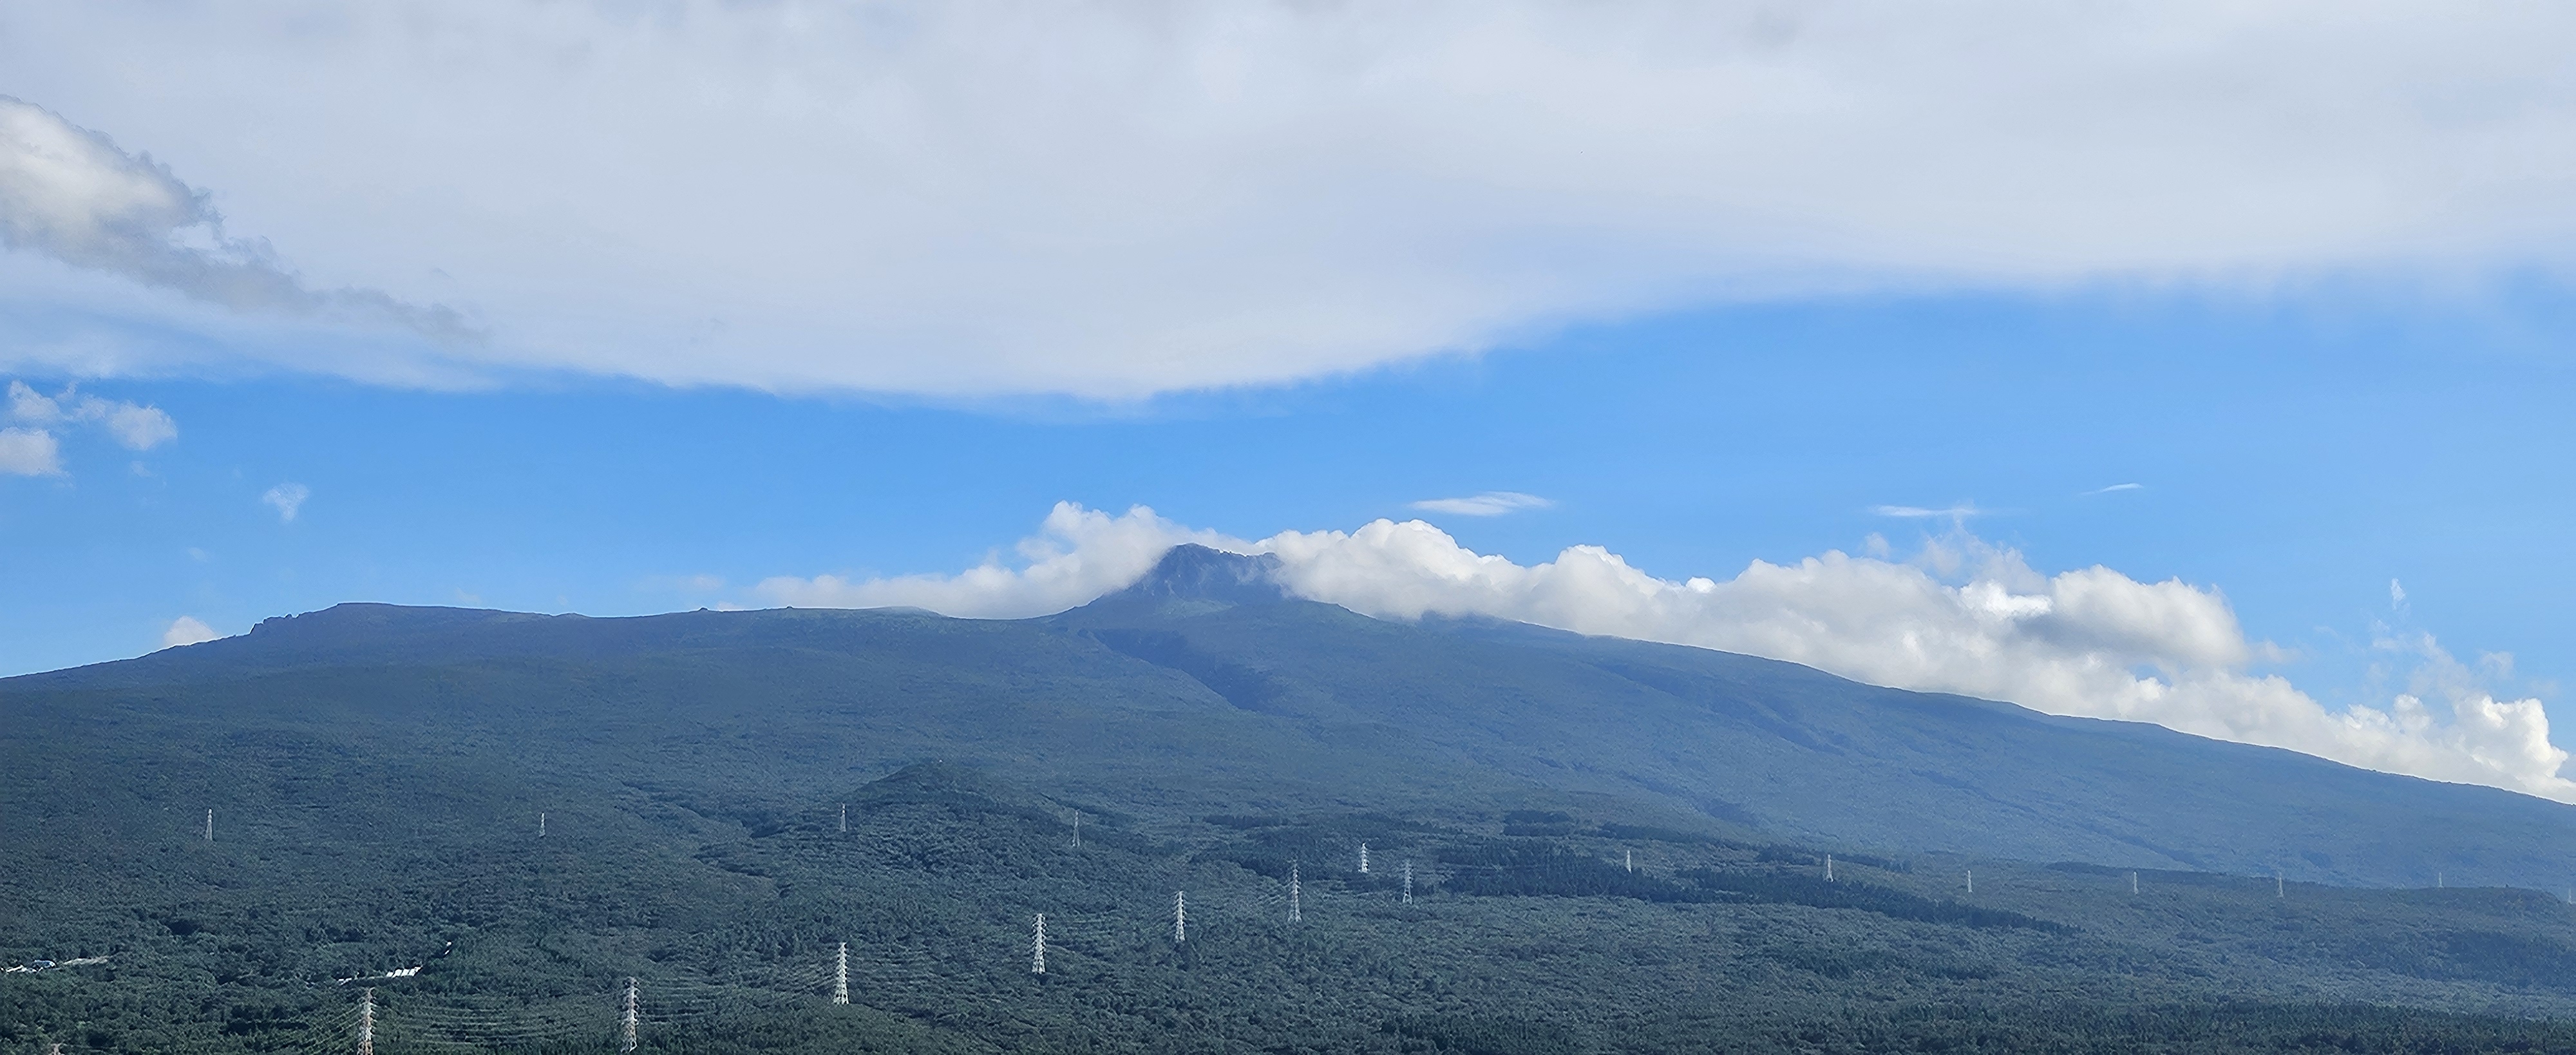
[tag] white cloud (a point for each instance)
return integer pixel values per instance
(1488, 504)
(135, 427)
(287, 499)
(1961, 511)
(26, 404)
(187, 630)
(71, 194)
(141, 428)
(2115, 487)
(2089, 642)
(1125, 197)
(30, 452)
(1076, 556)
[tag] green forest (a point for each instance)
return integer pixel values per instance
(1598, 937)
(437, 831)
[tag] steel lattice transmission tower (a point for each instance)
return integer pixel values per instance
(1037, 947)
(841, 975)
(1180, 916)
(626, 1022)
(367, 1023)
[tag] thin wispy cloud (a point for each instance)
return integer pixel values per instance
(2114, 487)
(287, 499)
(1488, 504)
(1961, 511)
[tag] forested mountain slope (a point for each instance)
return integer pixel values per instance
(492, 821)
(1203, 689)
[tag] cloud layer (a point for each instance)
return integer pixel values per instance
(1127, 197)
(1963, 617)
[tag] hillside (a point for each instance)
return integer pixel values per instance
(1616, 846)
(1203, 689)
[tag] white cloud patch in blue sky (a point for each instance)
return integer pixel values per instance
(287, 499)
(187, 630)
(134, 426)
(1956, 511)
(30, 447)
(1488, 504)
(1962, 617)
(30, 452)
(2114, 488)
(1118, 199)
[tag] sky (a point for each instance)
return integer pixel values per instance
(2191, 363)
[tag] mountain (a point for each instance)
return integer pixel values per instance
(1582, 844)
(1794, 751)
(1205, 687)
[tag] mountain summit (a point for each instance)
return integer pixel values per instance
(1192, 572)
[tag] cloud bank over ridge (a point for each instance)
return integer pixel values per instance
(1121, 198)
(1964, 617)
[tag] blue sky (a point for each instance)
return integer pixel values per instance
(2298, 455)
(508, 313)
